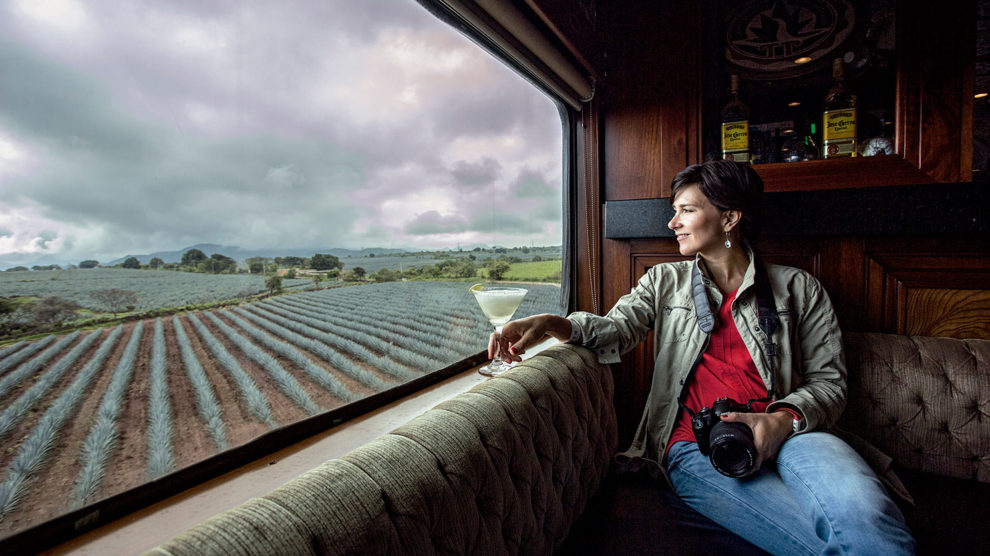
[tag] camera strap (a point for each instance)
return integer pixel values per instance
(766, 315)
(768, 320)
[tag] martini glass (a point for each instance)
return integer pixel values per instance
(498, 303)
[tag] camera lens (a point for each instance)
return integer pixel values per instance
(733, 452)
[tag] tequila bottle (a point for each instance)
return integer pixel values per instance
(839, 118)
(735, 126)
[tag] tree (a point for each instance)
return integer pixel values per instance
(433, 271)
(292, 261)
(53, 310)
(219, 264)
(464, 269)
(17, 269)
(6, 306)
(291, 274)
(131, 262)
(156, 263)
(359, 272)
(496, 268)
(89, 264)
(322, 261)
(274, 284)
(115, 300)
(193, 257)
(256, 265)
(386, 275)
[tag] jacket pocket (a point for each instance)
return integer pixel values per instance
(676, 324)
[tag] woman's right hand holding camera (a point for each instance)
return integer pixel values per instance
(519, 334)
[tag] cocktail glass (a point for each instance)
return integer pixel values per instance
(498, 303)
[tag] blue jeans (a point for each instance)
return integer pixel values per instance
(819, 497)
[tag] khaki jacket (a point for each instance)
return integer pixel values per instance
(811, 376)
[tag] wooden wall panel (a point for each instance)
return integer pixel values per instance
(936, 61)
(650, 101)
(946, 312)
(937, 293)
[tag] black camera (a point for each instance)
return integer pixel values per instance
(729, 445)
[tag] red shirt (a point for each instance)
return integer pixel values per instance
(726, 370)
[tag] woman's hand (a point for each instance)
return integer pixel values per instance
(519, 334)
(770, 430)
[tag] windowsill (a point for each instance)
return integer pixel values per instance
(160, 522)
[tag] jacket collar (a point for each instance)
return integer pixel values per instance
(701, 281)
(749, 278)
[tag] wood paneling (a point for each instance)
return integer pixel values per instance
(650, 108)
(945, 312)
(935, 293)
(936, 62)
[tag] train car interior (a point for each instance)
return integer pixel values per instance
(892, 219)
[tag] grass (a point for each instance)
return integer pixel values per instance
(530, 271)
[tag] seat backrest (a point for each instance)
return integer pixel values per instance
(924, 401)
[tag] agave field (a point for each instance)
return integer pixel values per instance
(87, 415)
(155, 289)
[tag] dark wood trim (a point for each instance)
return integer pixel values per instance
(840, 173)
(589, 203)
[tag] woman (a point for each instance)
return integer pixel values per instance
(805, 490)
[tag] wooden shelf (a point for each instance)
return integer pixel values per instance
(840, 173)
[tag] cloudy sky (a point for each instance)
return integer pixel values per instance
(129, 127)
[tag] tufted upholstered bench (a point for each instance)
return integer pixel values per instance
(925, 402)
(504, 468)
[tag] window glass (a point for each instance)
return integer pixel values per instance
(221, 218)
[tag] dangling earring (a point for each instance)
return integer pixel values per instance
(728, 244)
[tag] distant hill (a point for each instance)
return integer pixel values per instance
(240, 254)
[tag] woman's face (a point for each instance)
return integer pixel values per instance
(697, 223)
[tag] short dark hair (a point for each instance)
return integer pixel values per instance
(728, 186)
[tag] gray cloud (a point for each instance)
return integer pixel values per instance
(432, 222)
(484, 171)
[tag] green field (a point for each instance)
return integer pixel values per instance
(539, 271)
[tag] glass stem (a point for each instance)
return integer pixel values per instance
(498, 346)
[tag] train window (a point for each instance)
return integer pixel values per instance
(220, 220)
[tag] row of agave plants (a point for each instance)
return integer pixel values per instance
(376, 336)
